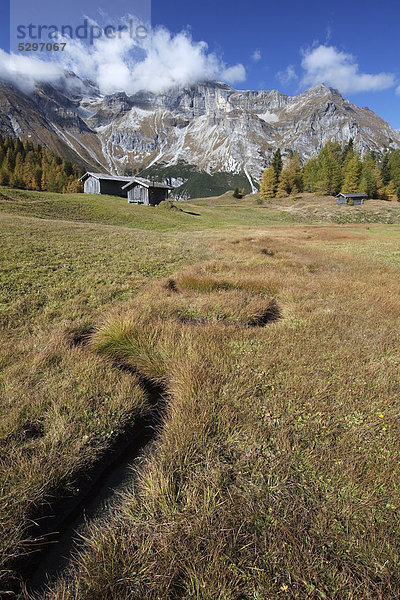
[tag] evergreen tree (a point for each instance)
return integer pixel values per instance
(348, 149)
(394, 164)
(310, 175)
(10, 158)
(385, 169)
(52, 185)
(295, 174)
(277, 163)
(4, 177)
(284, 187)
(369, 176)
(18, 172)
(44, 179)
(236, 193)
(391, 192)
(74, 186)
(380, 188)
(35, 168)
(329, 175)
(291, 178)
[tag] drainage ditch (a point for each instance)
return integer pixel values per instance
(54, 532)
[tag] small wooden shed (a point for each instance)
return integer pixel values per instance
(101, 183)
(146, 191)
(355, 199)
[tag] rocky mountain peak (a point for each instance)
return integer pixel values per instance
(210, 125)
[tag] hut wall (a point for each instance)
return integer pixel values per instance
(157, 195)
(91, 186)
(112, 187)
(350, 201)
(138, 195)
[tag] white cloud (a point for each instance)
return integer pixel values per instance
(234, 74)
(289, 74)
(25, 72)
(155, 63)
(256, 56)
(327, 64)
(398, 90)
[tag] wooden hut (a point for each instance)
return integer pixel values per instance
(146, 191)
(137, 189)
(100, 183)
(350, 198)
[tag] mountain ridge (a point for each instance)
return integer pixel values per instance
(210, 125)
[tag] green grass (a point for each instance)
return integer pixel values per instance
(198, 215)
(58, 270)
(111, 210)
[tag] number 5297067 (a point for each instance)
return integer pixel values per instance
(41, 47)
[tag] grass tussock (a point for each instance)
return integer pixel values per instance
(164, 304)
(220, 276)
(134, 346)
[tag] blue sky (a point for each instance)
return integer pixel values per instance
(369, 30)
(281, 45)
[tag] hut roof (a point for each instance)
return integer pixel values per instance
(351, 195)
(127, 181)
(120, 178)
(147, 183)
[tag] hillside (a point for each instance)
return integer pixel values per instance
(216, 212)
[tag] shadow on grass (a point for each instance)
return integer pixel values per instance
(270, 315)
(188, 212)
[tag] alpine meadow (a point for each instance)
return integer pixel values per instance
(199, 301)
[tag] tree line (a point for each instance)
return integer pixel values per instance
(336, 169)
(23, 165)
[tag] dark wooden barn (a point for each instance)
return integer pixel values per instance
(100, 183)
(137, 189)
(146, 191)
(350, 198)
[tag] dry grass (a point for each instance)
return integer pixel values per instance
(275, 474)
(276, 470)
(62, 405)
(179, 300)
(61, 408)
(221, 276)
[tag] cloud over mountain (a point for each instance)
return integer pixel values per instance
(25, 72)
(289, 74)
(153, 63)
(327, 64)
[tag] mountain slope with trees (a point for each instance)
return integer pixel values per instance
(210, 126)
(23, 165)
(336, 169)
